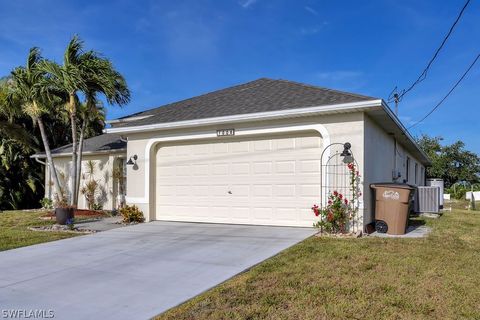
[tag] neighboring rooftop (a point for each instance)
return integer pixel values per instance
(260, 95)
(102, 143)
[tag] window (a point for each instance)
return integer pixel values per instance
(422, 176)
(407, 170)
(416, 173)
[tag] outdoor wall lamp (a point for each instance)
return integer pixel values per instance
(132, 161)
(346, 154)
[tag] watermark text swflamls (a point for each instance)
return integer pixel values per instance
(27, 314)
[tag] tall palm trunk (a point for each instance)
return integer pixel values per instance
(79, 157)
(52, 168)
(73, 180)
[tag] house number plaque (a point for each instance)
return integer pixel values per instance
(225, 132)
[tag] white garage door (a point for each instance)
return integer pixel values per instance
(266, 181)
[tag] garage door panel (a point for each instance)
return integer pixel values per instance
(239, 147)
(284, 144)
(262, 145)
(285, 167)
(286, 214)
(200, 170)
(181, 170)
(220, 212)
(262, 214)
(263, 167)
(271, 181)
(309, 190)
(285, 190)
(308, 142)
(309, 166)
(240, 190)
(265, 190)
(240, 168)
(201, 190)
(220, 169)
(240, 214)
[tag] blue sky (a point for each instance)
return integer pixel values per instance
(171, 50)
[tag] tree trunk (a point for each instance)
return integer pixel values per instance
(79, 158)
(73, 175)
(53, 170)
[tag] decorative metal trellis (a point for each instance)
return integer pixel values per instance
(336, 176)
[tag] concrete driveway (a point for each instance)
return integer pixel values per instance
(134, 272)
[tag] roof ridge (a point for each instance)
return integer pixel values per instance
(198, 96)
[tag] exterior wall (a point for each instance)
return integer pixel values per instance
(381, 160)
(103, 174)
(341, 128)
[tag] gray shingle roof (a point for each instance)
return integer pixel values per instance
(261, 95)
(104, 142)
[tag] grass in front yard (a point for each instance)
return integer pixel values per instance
(369, 278)
(14, 232)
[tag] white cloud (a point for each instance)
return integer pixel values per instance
(313, 29)
(311, 10)
(247, 3)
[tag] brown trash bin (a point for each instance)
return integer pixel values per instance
(392, 206)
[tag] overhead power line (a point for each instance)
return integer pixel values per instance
(397, 97)
(449, 92)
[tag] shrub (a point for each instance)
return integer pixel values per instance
(90, 191)
(132, 214)
(336, 215)
(97, 206)
(46, 203)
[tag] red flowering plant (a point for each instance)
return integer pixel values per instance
(335, 216)
(354, 182)
(339, 211)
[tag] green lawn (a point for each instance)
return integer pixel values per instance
(369, 278)
(14, 232)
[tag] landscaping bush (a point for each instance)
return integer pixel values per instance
(336, 215)
(46, 203)
(131, 214)
(97, 206)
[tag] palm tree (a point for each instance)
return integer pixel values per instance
(90, 74)
(28, 90)
(92, 113)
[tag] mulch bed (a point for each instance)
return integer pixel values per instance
(357, 234)
(78, 213)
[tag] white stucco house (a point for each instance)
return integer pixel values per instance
(107, 151)
(250, 154)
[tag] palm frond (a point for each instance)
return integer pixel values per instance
(16, 132)
(73, 51)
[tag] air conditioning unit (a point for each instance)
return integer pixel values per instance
(437, 183)
(427, 200)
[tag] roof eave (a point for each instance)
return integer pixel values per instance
(397, 121)
(85, 153)
(270, 115)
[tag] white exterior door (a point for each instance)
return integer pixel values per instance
(266, 181)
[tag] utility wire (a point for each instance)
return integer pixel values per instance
(398, 96)
(449, 92)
